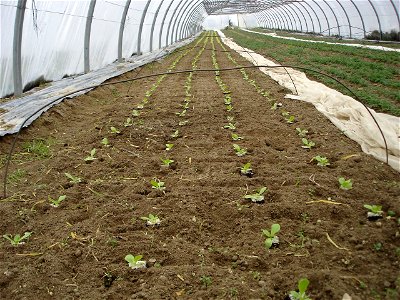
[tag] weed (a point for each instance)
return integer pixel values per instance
(135, 262)
(375, 209)
(39, 147)
(239, 151)
(206, 281)
(271, 237)
(378, 246)
(301, 294)
(345, 184)
(16, 176)
(73, 179)
(57, 202)
(113, 242)
(257, 196)
(136, 113)
(17, 239)
(256, 275)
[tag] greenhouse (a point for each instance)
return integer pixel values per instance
(200, 149)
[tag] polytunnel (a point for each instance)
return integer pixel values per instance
(200, 149)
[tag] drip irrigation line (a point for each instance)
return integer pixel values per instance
(173, 73)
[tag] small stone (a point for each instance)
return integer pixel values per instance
(151, 262)
(235, 258)
(378, 224)
(386, 284)
(346, 297)
(8, 273)
(262, 283)
(78, 252)
(319, 221)
(163, 278)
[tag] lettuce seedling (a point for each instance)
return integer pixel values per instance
(182, 123)
(73, 179)
(285, 114)
(175, 134)
(322, 161)
(274, 106)
(17, 239)
(271, 237)
(247, 170)
(236, 137)
(91, 157)
(228, 100)
(168, 147)
(105, 142)
(301, 132)
(182, 113)
(230, 126)
(257, 196)
(290, 119)
(229, 107)
(157, 184)
(345, 184)
(57, 202)
(301, 294)
(307, 144)
(135, 262)
(229, 118)
(375, 212)
(114, 130)
(167, 162)
(128, 122)
(152, 220)
(239, 151)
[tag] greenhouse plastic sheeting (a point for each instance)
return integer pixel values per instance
(344, 112)
(13, 113)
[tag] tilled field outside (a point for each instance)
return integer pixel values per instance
(209, 244)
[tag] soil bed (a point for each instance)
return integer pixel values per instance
(209, 243)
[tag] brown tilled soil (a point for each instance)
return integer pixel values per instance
(209, 243)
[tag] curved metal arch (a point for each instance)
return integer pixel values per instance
(396, 12)
(274, 21)
(162, 23)
(361, 17)
(347, 16)
(153, 24)
(285, 14)
(17, 47)
(184, 13)
(377, 17)
(86, 43)
(326, 17)
(139, 38)
(337, 21)
(121, 29)
(260, 20)
(301, 12)
(283, 18)
(173, 20)
(264, 18)
(311, 19)
(297, 15)
(278, 20)
(283, 7)
(188, 19)
(195, 16)
(319, 22)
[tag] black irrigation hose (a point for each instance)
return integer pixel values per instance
(172, 73)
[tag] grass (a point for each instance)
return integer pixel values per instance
(38, 147)
(371, 74)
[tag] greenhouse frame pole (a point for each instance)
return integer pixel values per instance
(347, 16)
(377, 17)
(162, 23)
(361, 17)
(194, 7)
(326, 17)
(337, 21)
(290, 17)
(301, 12)
(271, 18)
(190, 6)
(88, 29)
(182, 8)
(154, 24)
(188, 21)
(197, 20)
(283, 17)
(121, 29)
(312, 22)
(170, 22)
(17, 43)
(396, 12)
(139, 39)
(319, 22)
(295, 12)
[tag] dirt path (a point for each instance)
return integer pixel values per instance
(209, 243)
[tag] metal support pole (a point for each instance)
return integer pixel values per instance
(361, 17)
(301, 12)
(162, 23)
(188, 20)
(326, 17)
(377, 17)
(396, 12)
(182, 8)
(17, 43)
(187, 9)
(337, 21)
(311, 19)
(295, 12)
(290, 17)
(121, 29)
(88, 29)
(139, 39)
(319, 22)
(154, 24)
(347, 16)
(170, 21)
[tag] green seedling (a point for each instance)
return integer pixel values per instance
(17, 239)
(91, 157)
(135, 262)
(228, 100)
(136, 113)
(175, 134)
(257, 196)
(105, 142)
(345, 184)
(39, 147)
(182, 113)
(301, 294)
(73, 179)
(229, 118)
(246, 170)
(168, 147)
(271, 237)
(152, 220)
(166, 162)
(390, 213)
(301, 132)
(274, 106)
(183, 123)
(236, 137)
(230, 126)
(114, 130)
(239, 151)
(376, 209)
(285, 114)
(290, 119)
(157, 184)
(378, 246)
(229, 107)
(206, 280)
(128, 122)
(307, 144)
(57, 202)
(322, 161)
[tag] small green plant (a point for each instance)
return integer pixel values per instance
(166, 162)
(391, 213)
(183, 123)
(375, 209)
(157, 184)
(246, 169)
(135, 262)
(73, 179)
(206, 280)
(128, 122)
(257, 196)
(17, 239)
(136, 113)
(230, 118)
(38, 147)
(301, 294)
(274, 106)
(105, 142)
(230, 126)
(307, 144)
(290, 119)
(152, 220)
(114, 130)
(285, 114)
(229, 107)
(236, 137)
(301, 132)
(345, 184)
(239, 151)
(57, 202)
(175, 134)
(322, 161)
(91, 157)
(168, 147)
(271, 237)
(378, 246)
